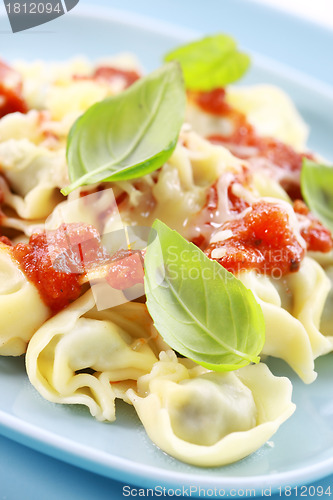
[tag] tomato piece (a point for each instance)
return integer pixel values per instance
(262, 240)
(11, 99)
(110, 74)
(318, 237)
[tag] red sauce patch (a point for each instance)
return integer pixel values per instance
(11, 99)
(236, 206)
(126, 269)
(244, 134)
(6, 241)
(318, 238)
(279, 154)
(276, 151)
(109, 74)
(213, 102)
(262, 240)
(53, 261)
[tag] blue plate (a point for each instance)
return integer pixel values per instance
(302, 449)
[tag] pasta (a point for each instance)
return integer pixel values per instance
(292, 308)
(35, 174)
(17, 293)
(259, 103)
(195, 418)
(230, 185)
(80, 355)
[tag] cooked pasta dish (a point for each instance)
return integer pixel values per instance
(161, 236)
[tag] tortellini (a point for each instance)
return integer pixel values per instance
(271, 112)
(292, 307)
(90, 353)
(22, 310)
(65, 88)
(326, 322)
(210, 419)
(39, 77)
(85, 356)
(266, 107)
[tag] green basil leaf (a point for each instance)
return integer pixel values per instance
(200, 309)
(128, 135)
(211, 62)
(317, 190)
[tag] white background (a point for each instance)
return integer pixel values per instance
(320, 11)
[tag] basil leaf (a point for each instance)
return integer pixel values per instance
(200, 309)
(317, 190)
(128, 135)
(211, 62)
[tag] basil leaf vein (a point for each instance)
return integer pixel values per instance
(128, 135)
(317, 190)
(200, 309)
(211, 62)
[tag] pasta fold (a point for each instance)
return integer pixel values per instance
(22, 310)
(35, 174)
(266, 107)
(84, 356)
(325, 260)
(292, 307)
(210, 419)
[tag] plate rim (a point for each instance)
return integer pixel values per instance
(112, 466)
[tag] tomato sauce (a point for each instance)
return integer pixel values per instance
(109, 74)
(318, 238)
(262, 240)
(11, 99)
(6, 241)
(278, 153)
(54, 261)
(126, 269)
(213, 102)
(236, 206)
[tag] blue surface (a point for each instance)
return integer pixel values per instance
(27, 474)
(296, 42)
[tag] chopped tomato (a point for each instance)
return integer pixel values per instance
(235, 203)
(318, 238)
(110, 74)
(54, 260)
(126, 269)
(281, 155)
(6, 241)
(262, 240)
(11, 99)
(213, 102)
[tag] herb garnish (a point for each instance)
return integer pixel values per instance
(200, 309)
(211, 62)
(128, 135)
